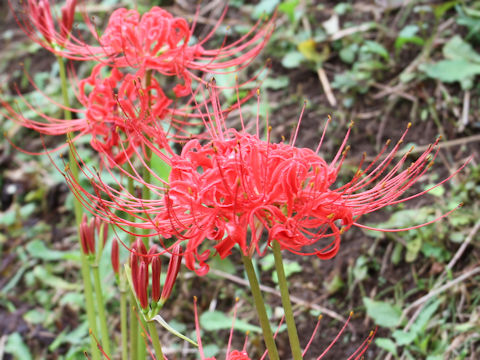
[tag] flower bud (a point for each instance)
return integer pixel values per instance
(114, 256)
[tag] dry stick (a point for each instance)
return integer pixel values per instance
(326, 86)
(423, 300)
(461, 250)
(296, 300)
(465, 111)
(436, 292)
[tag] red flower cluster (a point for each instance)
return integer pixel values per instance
(120, 107)
(236, 182)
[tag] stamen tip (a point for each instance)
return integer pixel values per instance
(409, 125)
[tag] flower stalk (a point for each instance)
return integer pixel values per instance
(152, 329)
(87, 283)
(287, 305)
(261, 311)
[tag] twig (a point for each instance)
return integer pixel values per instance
(351, 30)
(460, 251)
(465, 111)
(436, 292)
(397, 90)
(326, 86)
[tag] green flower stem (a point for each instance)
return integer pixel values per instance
(142, 347)
(87, 287)
(133, 328)
(87, 282)
(152, 329)
(260, 306)
(123, 317)
(131, 190)
(101, 309)
(287, 305)
(148, 152)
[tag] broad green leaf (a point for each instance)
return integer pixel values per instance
(290, 267)
(265, 7)
(53, 281)
(404, 338)
(375, 48)
(289, 8)
(387, 344)
(17, 347)
(38, 249)
(414, 245)
(408, 35)
(451, 70)
(226, 265)
(277, 83)
(443, 7)
(292, 59)
(348, 53)
(217, 320)
(457, 49)
(383, 313)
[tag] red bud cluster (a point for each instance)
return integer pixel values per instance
(89, 230)
(140, 263)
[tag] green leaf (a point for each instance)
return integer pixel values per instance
(387, 344)
(56, 282)
(414, 245)
(375, 48)
(265, 7)
(38, 249)
(451, 70)
(277, 83)
(382, 313)
(290, 267)
(457, 49)
(170, 329)
(288, 8)
(441, 9)
(404, 338)
(348, 53)
(35, 316)
(292, 59)
(408, 35)
(17, 347)
(226, 265)
(217, 320)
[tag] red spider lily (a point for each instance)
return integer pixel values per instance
(155, 41)
(236, 181)
(117, 111)
(37, 19)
